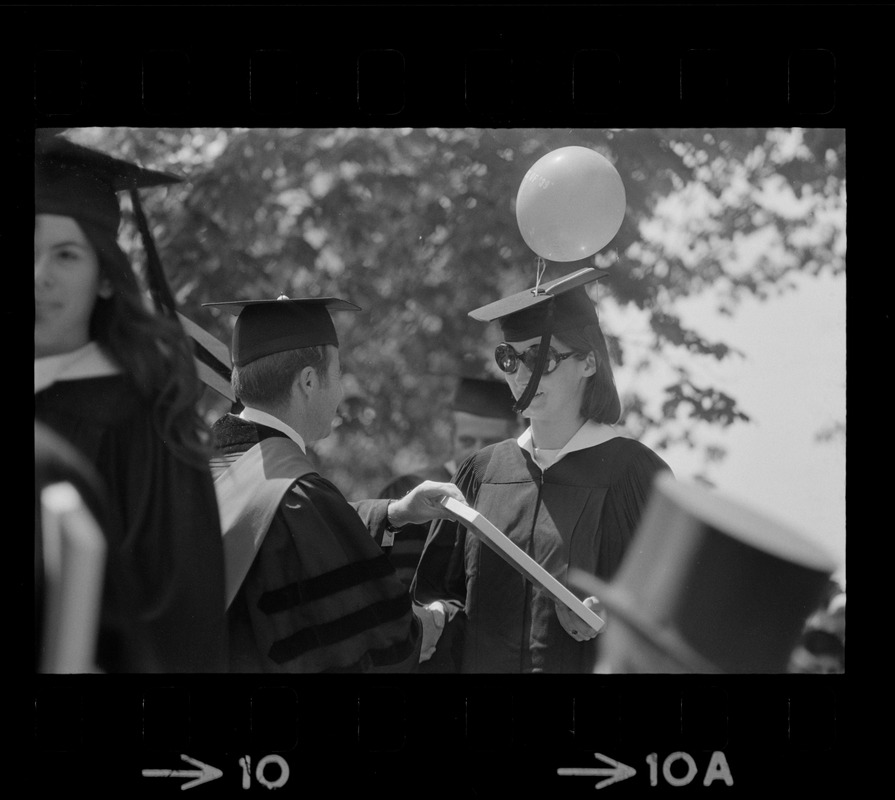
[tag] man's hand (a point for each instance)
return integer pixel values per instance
(432, 618)
(578, 630)
(423, 504)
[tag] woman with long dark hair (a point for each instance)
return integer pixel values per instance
(116, 379)
(568, 492)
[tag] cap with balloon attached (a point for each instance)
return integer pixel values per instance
(264, 327)
(547, 309)
(708, 585)
(570, 204)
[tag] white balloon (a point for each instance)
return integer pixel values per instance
(570, 204)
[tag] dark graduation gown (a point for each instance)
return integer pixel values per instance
(320, 596)
(581, 512)
(406, 547)
(164, 589)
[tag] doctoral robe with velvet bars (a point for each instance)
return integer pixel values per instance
(320, 596)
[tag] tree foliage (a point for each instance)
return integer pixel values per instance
(417, 226)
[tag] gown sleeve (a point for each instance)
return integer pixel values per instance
(628, 494)
(55, 461)
(171, 571)
(441, 574)
(374, 515)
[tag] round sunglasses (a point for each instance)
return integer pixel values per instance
(508, 359)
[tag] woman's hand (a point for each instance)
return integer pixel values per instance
(578, 630)
(432, 618)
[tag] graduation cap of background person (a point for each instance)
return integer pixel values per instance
(79, 182)
(264, 327)
(710, 583)
(484, 397)
(547, 309)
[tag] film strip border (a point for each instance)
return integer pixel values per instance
(156, 715)
(485, 85)
(668, 733)
(442, 738)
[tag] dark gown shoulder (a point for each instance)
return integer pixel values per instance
(84, 411)
(232, 434)
(165, 579)
(635, 455)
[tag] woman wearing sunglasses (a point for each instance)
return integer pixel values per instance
(569, 491)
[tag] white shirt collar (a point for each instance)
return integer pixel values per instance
(590, 434)
(263, 418)
(88, 361)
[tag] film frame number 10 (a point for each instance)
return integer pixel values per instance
(270, 760)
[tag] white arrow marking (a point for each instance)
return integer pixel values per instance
(617, 772)
(204, 774)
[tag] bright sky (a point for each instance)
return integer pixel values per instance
(791, 383)
(791, 377)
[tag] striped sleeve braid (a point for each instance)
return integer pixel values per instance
(321, 595)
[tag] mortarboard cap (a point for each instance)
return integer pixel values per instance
(524, 315)
(558, 305)
(82, 183)
(264, 327)
(484, 397)
(78, 182)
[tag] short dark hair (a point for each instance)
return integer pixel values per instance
(268, 380)
(601, 402)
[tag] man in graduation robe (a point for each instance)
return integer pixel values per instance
(309, 589)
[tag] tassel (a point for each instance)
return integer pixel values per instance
(543, 352)
(158, 283)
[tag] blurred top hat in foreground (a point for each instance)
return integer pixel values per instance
(708, 585)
